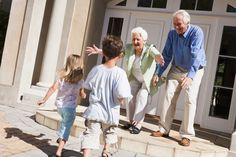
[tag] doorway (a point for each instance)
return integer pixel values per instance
(217, 31)
(221, 111)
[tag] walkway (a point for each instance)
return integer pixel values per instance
(144, 144)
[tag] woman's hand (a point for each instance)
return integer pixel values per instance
(159, 59)
(155, 79)
(93, 50)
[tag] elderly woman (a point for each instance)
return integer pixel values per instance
(139, 63)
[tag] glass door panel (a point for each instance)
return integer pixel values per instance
(115, 26)
(225, 75)
(115, 23)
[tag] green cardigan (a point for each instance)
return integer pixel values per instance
(148, 64)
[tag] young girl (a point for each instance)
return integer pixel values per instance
(69, 85)
(109, 86)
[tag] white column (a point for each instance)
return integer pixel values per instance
(12, 42)
(78, 26)
(32, 41)
(232, 152)
(52, 47)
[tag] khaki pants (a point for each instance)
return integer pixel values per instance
(91, 136)
(173, 90)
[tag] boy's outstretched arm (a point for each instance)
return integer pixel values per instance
(121, 100)
(82, 94)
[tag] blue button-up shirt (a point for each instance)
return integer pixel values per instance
(187, 51)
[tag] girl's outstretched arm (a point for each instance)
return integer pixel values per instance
(50, 91)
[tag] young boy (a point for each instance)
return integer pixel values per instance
(109, 86)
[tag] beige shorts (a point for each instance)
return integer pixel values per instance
(91, 136)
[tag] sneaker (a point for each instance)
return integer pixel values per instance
(159, 134)
(184, 142)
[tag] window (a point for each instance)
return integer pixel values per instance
(152, 3)
(204, 5)
(225, 75)
(115, 26)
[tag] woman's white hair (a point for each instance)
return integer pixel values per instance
(141, 31)
(184, 14)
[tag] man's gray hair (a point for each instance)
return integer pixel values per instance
(141, 31)
(184, 14)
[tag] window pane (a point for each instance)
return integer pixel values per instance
(122, 3)
(144, 3)
(220, 103)
(188, 4)
(159, 3)
(228, 46)
(205, 5)
(225, 73)
(115, 26)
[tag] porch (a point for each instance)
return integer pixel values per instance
(207, 143)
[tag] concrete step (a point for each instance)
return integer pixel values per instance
(143, 143)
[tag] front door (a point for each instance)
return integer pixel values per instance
(157, 25)
(220, 111)
(120, 23)
(214, 111)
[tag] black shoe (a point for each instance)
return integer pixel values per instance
(134, 130)
(127, 126)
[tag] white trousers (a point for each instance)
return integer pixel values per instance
(173, 89)
(137, 106)
(91, 136)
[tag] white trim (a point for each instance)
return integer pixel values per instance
(218, 9)
(224, 125)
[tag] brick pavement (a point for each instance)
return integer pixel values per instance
(21, 136)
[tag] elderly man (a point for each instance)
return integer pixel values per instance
(185, 48)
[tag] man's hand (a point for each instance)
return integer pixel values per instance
(159, 59)
(93, 50)
(186, 82)
(155, 79)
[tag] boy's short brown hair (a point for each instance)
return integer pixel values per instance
(112, 46)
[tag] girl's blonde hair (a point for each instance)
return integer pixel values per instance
(73, 70)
